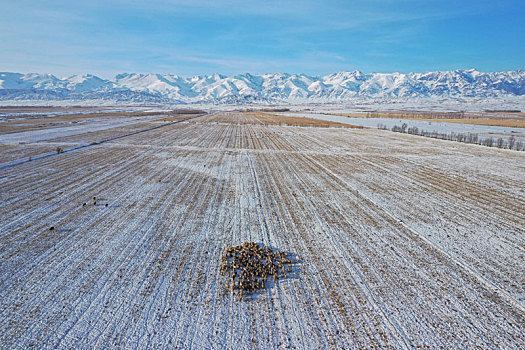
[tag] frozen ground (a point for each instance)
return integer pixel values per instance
(403, 241)
(353, 105)
(417, 104)
(484, 131)
(32, 136)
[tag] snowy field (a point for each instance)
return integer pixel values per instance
(32, 136)
(403, 241)
(484, 131)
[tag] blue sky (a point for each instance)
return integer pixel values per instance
(231, 37)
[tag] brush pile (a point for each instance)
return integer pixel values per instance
(249, 265)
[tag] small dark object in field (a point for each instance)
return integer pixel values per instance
(94, 198)
(94, 203)
(51, 228)
(107, 204)
(59, 150)
(249, 265)
(84, 204)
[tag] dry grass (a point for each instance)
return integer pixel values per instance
(150, 260)
(172, 118)
(47, 109)
(25, 123)
(274, 119)
(300, 121)
(513, 120)
(29, 122)
(9, 153)
(490, 122)
(349, 115)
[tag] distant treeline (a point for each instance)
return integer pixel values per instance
(502, 111)
(417, 115)
(473, 138)
(269, 110)
(187, 111)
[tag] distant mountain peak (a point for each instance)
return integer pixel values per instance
(274, 87)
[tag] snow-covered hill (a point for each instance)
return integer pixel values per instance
(276, 87)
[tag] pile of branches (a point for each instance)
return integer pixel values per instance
(249, 265)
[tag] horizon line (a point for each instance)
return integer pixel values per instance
(260, 74)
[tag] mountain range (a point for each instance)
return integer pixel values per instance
(265, 88)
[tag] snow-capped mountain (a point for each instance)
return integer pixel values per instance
(276, 87)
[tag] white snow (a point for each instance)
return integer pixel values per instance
(340, 87)
(429, 126)
(403, 242)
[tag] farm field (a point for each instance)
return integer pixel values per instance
(494, 118)
(400, 241)
(483, 128)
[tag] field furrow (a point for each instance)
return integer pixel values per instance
(399, 242)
